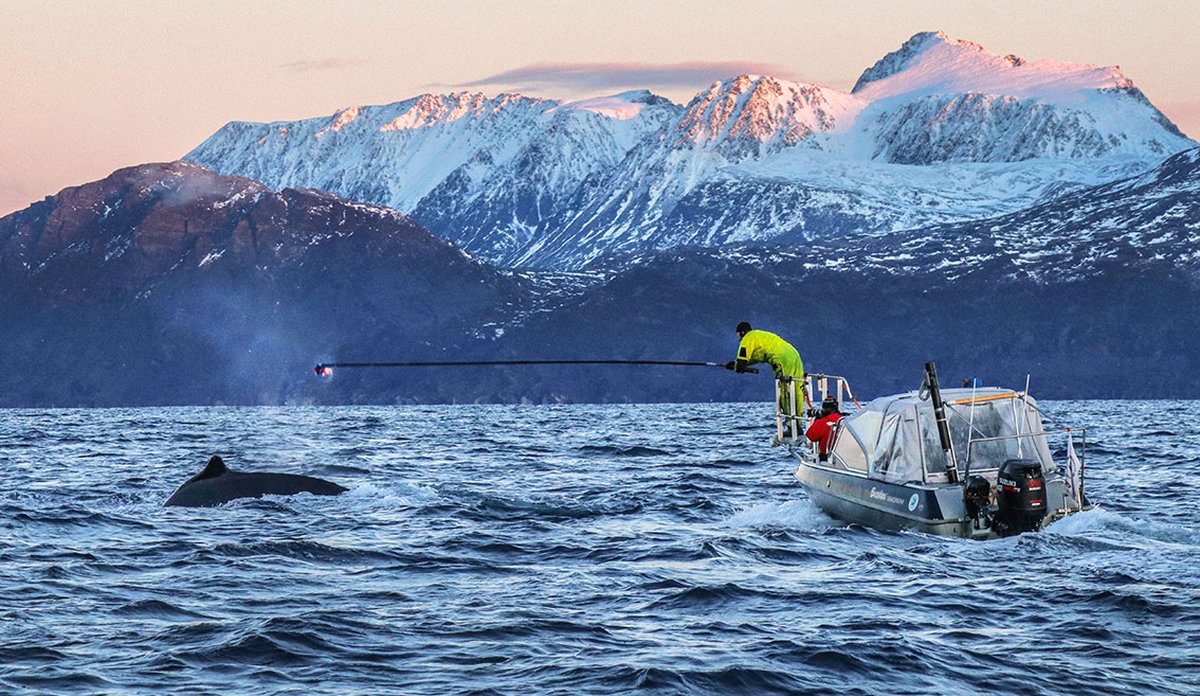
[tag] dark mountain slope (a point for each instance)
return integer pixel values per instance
(169, 284)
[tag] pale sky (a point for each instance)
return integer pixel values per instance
(89, 87)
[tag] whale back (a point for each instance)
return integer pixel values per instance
(217, 484)
(214, 468)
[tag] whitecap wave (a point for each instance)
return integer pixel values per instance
(1100, 520)
(392, 494)
(794, 514)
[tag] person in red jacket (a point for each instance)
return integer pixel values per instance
(824, 427)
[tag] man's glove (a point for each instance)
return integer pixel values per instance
(739, 366)
(731, 365)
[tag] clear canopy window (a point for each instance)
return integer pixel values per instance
(895, 438)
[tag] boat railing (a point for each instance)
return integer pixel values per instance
(1075, 477)
(1018, 436)
(788, 423)
(794, 399)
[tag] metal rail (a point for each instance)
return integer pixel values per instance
(1023, 435)
(791, 426)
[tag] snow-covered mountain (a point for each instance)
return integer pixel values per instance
(1095, 293)
(402, 152)
(938, 131)
(1147, 224)
(485, 172)
(938, 99)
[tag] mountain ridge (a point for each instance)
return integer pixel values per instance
(144, 222)
(1089, 290)
(167, 284)
(936, 62)
(937, 132)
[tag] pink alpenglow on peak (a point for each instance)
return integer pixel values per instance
(766, 109)
(432, 109)
(340, 120)
(933, 63)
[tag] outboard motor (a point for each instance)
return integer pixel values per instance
(1021, 496)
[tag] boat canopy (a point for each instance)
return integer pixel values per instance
(895, 438)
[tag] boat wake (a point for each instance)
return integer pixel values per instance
(793, 514)
(1099, 520)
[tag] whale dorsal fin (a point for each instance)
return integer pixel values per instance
(214, 468)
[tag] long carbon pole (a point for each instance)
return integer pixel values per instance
(943, 425)
(323, 368)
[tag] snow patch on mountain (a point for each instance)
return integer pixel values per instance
(623, 107)
(1119, 229)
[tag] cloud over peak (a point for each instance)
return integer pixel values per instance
(321, 65)
(604, 76)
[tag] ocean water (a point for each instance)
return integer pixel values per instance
(568, 550)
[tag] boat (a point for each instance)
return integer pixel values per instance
(972, 462)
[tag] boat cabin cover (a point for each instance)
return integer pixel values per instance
(895, 438)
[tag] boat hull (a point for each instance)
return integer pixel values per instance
(886, 506)
(937, 509)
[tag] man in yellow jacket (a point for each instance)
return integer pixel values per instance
(763, 346)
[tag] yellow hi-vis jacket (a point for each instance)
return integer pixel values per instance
(764, 346)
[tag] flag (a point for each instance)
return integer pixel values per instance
(1074, 472)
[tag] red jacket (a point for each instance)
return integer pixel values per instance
(822, 430)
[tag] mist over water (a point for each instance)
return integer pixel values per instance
(573, 549)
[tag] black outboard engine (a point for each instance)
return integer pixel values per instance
(1021, 496)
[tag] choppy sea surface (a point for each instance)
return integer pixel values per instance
(573, 549)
